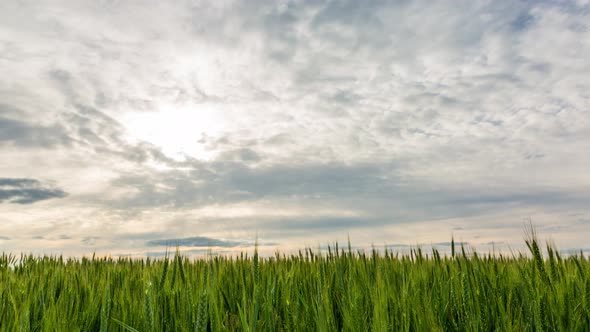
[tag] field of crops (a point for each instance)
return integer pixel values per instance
(339, 290)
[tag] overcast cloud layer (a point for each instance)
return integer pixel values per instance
(129, 125)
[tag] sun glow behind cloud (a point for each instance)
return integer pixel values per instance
(177, 128)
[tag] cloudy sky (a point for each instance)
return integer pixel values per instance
(126, 126)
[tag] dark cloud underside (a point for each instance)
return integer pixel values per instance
(26, 191)
(197, 241)
(26, 135)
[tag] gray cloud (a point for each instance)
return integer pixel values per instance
(288, 227)
(448, 244)
(89, 240)
(198, 252)
(329, 179)
(244, 155)
(227, 182)
(397, 245)
(378, 195)
(26, 191)
(494, 243)
(436, 244)
(26, 135)
(198, 241)
(575, 251)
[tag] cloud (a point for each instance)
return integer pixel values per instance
(240, 155)
(28, 135)
(494, 243)
(375, 188)
(26, 191)
(575, 251)
(198, 241)
(448, 244)
(89, 240)
(198, 252)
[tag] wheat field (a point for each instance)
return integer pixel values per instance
(339, 290)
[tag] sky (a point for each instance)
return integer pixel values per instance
(129, 127)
